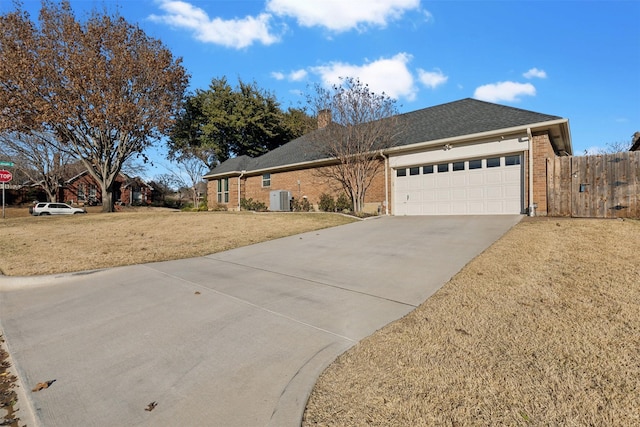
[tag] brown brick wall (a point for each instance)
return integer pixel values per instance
(542, 150)
(304, 182)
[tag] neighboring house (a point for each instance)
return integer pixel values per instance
(84, 189)
(464, 157)
(635, 144)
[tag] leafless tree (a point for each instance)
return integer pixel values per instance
(616, 147)
(361, 124)
(104, 88)
(187, 173)
(38, 157)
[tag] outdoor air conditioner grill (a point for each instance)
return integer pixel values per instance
(279, 200)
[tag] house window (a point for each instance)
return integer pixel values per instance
(443, 167)
(414, 171)
(512, 160)
(223, 190)
(81, 194)
(493, 162)
(427, 169)
(266, 180)
(458, 166)
(401, 172)
(475, 164)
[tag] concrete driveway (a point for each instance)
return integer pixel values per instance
(232, 339)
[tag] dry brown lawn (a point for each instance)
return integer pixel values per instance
(542, 329)
(56, 244)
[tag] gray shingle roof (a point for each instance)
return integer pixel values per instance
(464, 117)
(455, 119)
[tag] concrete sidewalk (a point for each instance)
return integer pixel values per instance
(232, 339)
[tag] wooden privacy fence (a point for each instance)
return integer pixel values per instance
(602, 186)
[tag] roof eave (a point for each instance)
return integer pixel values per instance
(281, 168)
(563, 125)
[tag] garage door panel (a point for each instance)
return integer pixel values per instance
(428, 183)
(494, 206)
(475, 193)
(459, 194)
(493, 193)
(414, 209)
(495, 190)
(414, 184)
(459, 208)
(443, 194)
(459, 179)
(512, 191)
(494, 177)
(443, 180)
(428, 195)
(443, 208)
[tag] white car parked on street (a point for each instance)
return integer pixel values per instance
(54, 209)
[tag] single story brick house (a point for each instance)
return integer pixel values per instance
(466, 157)
(84, 189)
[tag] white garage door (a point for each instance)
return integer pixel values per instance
(492, 185)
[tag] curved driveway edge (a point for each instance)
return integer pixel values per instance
(236, 338)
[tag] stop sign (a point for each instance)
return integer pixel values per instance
(5, 176)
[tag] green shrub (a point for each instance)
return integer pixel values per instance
(301, 205)
(343, 203)
(252, 205)
(326, 203)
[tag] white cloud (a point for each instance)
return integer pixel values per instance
(504, 91)
(592, 151)
(342, 15)
(388, 75)
(298, 75)
(294, 76)
(535, 73)
(432, 79)
(428, 16)
(233, 33)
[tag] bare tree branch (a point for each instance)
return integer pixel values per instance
(359, 123)
(37, 156)
(104, 88)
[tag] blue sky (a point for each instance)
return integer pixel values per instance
(575, 59)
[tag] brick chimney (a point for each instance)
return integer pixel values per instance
(324, 118)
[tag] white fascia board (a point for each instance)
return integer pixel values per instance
(476, 136)
(495, 147)
(292, 166)
(221, 175)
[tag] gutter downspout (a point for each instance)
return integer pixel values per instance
(386, 183)
(239, 178)
(532, 209)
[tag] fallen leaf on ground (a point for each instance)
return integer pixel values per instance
(151, 406)
(42, 386)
